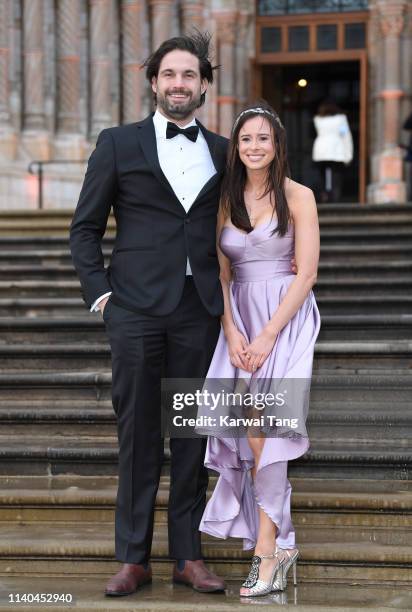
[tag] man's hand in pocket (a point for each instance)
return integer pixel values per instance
(103, 303)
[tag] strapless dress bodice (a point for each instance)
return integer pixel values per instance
(258, 255)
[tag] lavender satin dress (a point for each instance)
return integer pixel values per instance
(261, 267)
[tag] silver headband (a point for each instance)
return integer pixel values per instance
(261, 111)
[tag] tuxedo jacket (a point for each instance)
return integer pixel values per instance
(154, 234)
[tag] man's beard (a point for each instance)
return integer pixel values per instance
(178, 110)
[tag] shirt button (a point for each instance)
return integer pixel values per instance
(182, 198)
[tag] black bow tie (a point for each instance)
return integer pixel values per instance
(191, 132)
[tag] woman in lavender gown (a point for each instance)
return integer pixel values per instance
(269, 328)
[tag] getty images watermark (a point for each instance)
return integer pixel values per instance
(193, 407)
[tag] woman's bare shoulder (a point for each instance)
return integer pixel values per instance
(298, 194)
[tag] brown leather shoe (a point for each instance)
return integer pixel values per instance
(128, 580)
(196, 575)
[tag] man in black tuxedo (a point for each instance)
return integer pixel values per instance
(160, 298)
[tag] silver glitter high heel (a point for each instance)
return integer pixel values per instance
(260, 587)
(289, 559)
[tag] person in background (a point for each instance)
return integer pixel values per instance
(332, 149)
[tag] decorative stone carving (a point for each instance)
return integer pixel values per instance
(392, 17)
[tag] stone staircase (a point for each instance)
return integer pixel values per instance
(352, 499)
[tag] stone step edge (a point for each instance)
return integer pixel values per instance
(38, 284)
(332, 206)
(352, 456)
(49, 545)
(377, 379)
(395, 346)
(341, 502)
(325, 248)
(43, 322)
(382, 264)
(69, 301)
(394, 415)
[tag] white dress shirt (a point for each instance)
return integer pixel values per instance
(187, 165)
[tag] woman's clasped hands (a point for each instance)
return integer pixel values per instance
(250, 356)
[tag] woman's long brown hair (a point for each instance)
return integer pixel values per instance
(234, 182)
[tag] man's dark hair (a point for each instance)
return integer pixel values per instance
(196, 43)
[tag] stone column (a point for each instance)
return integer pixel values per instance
(192, 15)
(226, 34)
(35, 138)
(99, 75)
(69, 142)
(161, 21)
(133, 81)
(390, 185)
(243, 76)
(7, 135)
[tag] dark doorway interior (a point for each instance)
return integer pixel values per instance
(297, 105)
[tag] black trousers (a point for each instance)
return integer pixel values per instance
(144, 348)
(331, 180)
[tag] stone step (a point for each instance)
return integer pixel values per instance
(37, 226)
(346, 208)
(91, 455)
(363, 235)
(335, 208)
(162, 596)
(394, 302)
(337, 286)
(369, 304)
(78, 547)
(372, 213)
(378, 511)
(89, 328)
(332, 386)
(335, 254)
(356, 420)
(387, 248)
(47, 251)
(365, 327)
(67, 410)
(346, 235)
(328, 355)
(55, 223)
(335, 269)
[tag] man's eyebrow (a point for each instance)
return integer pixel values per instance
(188, 70)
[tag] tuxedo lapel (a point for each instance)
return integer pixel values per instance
(218, 158)
(147, 138)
